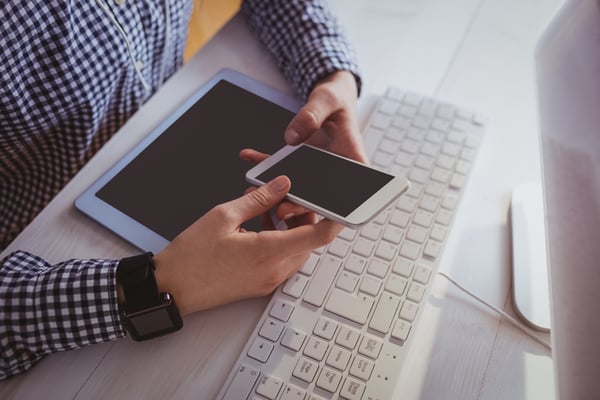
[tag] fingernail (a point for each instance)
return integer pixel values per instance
(291, 136)
(279, 184)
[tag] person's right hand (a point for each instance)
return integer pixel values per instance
(214, 262)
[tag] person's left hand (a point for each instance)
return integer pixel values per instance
(328, 119)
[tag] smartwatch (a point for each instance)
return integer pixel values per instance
(146, 312)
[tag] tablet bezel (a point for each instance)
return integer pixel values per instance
(128, 228)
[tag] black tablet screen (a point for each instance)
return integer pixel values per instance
(194, 164)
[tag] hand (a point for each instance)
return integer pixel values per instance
(214, 262)
(328, 119)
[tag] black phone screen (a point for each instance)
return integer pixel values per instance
(325, 180)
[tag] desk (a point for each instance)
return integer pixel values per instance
(475, 53)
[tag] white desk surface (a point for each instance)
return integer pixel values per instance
(475, 53)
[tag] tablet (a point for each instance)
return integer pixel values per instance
(190, 162)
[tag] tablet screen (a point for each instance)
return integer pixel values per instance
(194, 165)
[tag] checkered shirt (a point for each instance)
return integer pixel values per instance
(71, 74)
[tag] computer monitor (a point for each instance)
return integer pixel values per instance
(568, 71)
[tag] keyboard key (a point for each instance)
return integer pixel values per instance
(386, 251)
(339, 248)
(370, 285)
(371, 231)
(269, 387)
(370, 347)
(271, 329)
(281, 310)
(417, 234)
(432, 249)
(347, 338)
(384, 313)
(329, 380)
(316, 348)
(310, 264)
(347, 281)
(305, 370)
(403, 267)
(409, 310)
(422, 274)
(355, 308)
(362, 368)
(410, 250)
(423, 218)
(325, 328)
(396, 284)
(378, 267)
(415, 292)
(363, 247)
(401, 330)
(322, 280)
(260, 350)
(438, 232)
(293, 339)
(338, 358)
(400, 218)
(295, 285)
(355, 264)
(352, 389)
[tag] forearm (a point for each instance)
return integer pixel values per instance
(49, 308)
(305, 38)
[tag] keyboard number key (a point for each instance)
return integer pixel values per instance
(329, 380)
(305, 370)
(347, 337)
(316, 348)
(325, 328)
(362, 368)
(338, 358)
(352, 390)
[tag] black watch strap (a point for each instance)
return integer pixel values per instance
(136, 276)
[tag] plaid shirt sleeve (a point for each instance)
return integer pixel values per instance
(48, 308)
(305, 38)
(60, 104)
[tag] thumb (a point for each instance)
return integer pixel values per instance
(307, 121)
(259, 201)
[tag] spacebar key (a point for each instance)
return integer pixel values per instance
(322, 280)
(355, 308)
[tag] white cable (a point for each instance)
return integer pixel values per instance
(104, 8)
(516, 323)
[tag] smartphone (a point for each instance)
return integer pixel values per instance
(335, 187)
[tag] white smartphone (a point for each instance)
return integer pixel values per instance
(335, 187)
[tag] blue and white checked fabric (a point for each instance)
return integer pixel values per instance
(71, 74)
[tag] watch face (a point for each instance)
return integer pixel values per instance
(153, 322)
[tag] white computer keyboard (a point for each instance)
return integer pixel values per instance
(342, 326)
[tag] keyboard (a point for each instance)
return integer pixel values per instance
(342, 326)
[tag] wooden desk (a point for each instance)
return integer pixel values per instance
(475, 53)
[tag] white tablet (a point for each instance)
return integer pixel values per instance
(189, 163)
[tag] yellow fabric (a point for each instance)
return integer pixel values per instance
(208, 16)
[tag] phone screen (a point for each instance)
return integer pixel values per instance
(328, 181)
